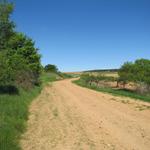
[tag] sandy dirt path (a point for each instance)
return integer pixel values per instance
(68, 117)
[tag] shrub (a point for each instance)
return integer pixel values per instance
(6, 25)
(51, 68)
(19, 59)
(138, 72)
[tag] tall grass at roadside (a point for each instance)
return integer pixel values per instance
(14, 113)
(13, 116)
(49, 77)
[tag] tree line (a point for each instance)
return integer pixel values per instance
(137, 72)
(20, 64)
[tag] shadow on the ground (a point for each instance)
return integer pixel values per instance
(9, 89)
(126, 90)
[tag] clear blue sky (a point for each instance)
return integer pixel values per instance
(86, 34)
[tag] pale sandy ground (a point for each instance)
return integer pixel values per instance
(68, 117)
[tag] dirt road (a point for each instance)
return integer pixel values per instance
(68, 117)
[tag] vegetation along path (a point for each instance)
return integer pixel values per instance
(68, 117)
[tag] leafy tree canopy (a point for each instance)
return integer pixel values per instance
(139, 71)
(19, 59)
(6, 25)
(51, 68)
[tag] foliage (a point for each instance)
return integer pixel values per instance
(6, 25)
(6, 75)
(24, 47)
(142, 71)
(51, 68)
(19, 59)
(20, 70)
(126, 73)
(138, 72)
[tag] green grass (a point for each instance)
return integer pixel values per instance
(49, 77)
(65, 75)
(14, 113)
(13, 116)
(116, 92)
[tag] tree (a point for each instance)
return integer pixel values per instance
(6, 25)
(142, 70)
(137, 72)
(19, 59)
(51, 68)
(126, 73)
(6, 31)
(25, 47)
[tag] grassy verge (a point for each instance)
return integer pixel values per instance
(116, 92)
(49, 77)
(14, 113)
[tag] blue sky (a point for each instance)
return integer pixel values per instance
(86, 34)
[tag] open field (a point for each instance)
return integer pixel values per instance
(105, 73)
(109, 74)
(68, 117)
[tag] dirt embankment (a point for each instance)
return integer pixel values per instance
(68, 117)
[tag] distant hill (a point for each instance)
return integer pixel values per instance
(96, 70)
(103, 70)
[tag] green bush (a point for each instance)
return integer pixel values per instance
(137, 72)
(6, 25)
(50, 68)
(20, 64)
